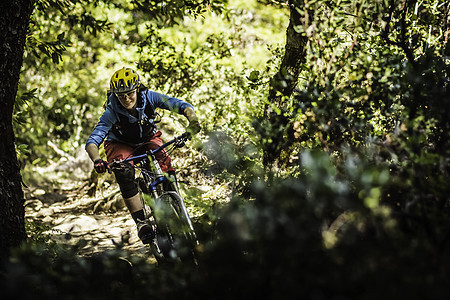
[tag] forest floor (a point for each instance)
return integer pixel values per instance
(62, 205)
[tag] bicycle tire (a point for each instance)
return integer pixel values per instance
(175, 235)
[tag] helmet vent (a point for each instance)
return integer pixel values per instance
(124, 80)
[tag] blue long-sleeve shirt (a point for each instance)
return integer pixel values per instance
(111, 115)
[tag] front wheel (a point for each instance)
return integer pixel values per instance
(175, 236)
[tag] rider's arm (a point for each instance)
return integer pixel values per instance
(190, 114)
(166, 102)
(92, 151)
(177, 105)
(99, 134)
(194, 125)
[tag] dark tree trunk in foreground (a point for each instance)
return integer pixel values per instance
(14, 19)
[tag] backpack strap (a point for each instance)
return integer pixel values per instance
(108, 93)
(149, 109)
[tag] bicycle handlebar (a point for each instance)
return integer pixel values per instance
(179, 142)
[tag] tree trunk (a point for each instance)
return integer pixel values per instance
(285, 80)
(14, 21)
(279, 130)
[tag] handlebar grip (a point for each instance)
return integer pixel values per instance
(113, 165)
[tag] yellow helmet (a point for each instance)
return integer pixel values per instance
(124, 80)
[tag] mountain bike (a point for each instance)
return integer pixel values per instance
(164, 206)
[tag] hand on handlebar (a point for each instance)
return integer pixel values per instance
(193, 128)
(100, 165)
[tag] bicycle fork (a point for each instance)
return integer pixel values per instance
(160, 178)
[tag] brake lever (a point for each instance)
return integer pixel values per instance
(181, 143)
(181, 140)
(111, 166)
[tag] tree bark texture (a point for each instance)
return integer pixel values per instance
(282, 86)
(14, 19)
(285, 80)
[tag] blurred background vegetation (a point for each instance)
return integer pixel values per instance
(344, 194)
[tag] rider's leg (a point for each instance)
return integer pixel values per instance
(145, 231)
(134, 204)
(164, 159)
(165, 162)
(125, 179)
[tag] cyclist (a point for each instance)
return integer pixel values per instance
(128, 125)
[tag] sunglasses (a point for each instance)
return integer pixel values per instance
(122, 96)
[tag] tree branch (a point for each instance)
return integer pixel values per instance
(403, 43)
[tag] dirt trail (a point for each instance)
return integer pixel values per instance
(60, 201)
(69, 224)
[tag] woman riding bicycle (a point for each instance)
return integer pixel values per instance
(128, 125)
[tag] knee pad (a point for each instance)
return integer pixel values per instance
(125, 179)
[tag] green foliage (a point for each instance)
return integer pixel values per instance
(328, 234)
(21, 105)
(168, 12)
(37, 233)
(53, 50)
(357, 81)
